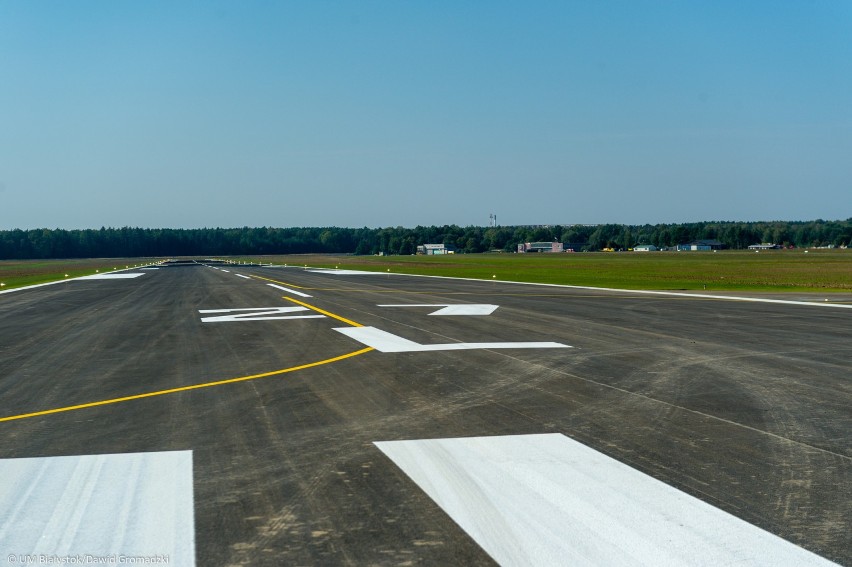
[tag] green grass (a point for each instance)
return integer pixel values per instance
(766, 271)
(20, 273)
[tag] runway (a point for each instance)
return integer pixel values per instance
(292, 389)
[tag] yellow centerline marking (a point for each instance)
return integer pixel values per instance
(209, 384)
(282, 283)
(324, 312)
(187, 388)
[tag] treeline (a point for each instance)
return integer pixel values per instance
(144, 242)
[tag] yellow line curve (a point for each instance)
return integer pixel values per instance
(187, 388)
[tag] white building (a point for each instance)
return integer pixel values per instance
(436, 249)
(540, 247)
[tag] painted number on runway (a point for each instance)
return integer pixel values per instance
(255, 314)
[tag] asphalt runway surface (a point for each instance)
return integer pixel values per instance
(746, 406)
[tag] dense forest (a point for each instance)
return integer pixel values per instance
(146, 242)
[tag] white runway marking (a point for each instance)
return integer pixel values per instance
(288, 290)
(136, 504)
(256, 314)
(347, 272)
(118, 276)
(549, 500)
(652, 292)
(455, 309)
(383, 341)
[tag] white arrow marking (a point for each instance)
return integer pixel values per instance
(256, 314)
(457, 309)
(549, 500)
(383, 341)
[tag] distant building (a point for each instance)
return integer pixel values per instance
(540, 247)
(702, 245)
(644, 248)
(765, 247)
(436, 249)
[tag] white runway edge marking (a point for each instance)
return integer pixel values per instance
(651, 292)
(256, 314)
(118, 276)
(348, 272)
(549, 500)
(135, 504)
(383, 341)
(455, 309)
(288, 290)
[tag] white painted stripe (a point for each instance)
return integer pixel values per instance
(138, 504)
(383, 341)
(347, 272)
(35, 286)
(256, 314)
(454, 309)
(242, 276)
(651, 292)
(224, 270)
(549, 500)
(113, 276)
(288, 290)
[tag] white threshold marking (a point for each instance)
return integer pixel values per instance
(288, 290)
(256, 314)
(383, 341)
(135, 504)
(455, 309)
(549, 500)
(113, 276)
(242, 276)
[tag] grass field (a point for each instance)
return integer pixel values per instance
(766, 271)
(18, 273)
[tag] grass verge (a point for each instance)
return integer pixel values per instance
(20, 273)
(765, 271)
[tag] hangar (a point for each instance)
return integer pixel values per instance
(436, 249)
(540, 247)
(701, 245)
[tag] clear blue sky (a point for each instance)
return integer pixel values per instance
(389, 113)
